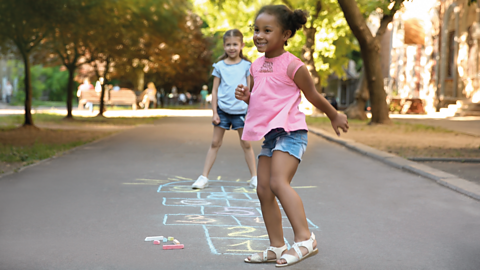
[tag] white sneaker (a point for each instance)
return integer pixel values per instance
(202, 182)
(253, 182)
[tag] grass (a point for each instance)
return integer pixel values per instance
(12, 121)
(170, 107)
(42, 103)
(407, 139)
(324, 122)
(27, 146)
(35, 152)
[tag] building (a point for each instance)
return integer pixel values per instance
(433, 54)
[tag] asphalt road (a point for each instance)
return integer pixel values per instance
(93, 207)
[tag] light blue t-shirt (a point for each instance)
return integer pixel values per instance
(230, 77)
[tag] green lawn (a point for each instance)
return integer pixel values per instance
(12, 121)
(27, 146)
(31, 153)
(41, 103)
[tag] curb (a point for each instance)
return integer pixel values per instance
(460, 160)
(451, 181)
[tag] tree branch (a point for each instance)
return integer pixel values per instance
(356, 21)
(388, 18)
(318, 9)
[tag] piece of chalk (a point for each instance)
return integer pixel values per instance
(152, 238)
(173, 246)
(176, 242)
(156, 242)
(170, 238)
(164, 240)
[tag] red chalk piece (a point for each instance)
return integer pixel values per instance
(173, 246)
(156, 242)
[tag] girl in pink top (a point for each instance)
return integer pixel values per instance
(273, 113)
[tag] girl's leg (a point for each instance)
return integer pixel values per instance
(249, 155)
(270, 209)
(217, 139)
(283, 168)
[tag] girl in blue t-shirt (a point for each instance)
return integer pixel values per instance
(230, 71)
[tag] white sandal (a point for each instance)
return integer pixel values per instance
(255, 258)
(290, 259)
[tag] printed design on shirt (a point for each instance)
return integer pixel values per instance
(267, 67)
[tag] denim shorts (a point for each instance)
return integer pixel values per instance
(227, 120)
(293, 142)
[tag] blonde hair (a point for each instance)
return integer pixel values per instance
(151, 85)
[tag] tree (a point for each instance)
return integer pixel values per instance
(67, 41)
(175, 62)
(158, 49)
(323, 44)
(326, 39)
(370, 50)
(26, 24)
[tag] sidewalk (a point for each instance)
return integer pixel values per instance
(459, 176)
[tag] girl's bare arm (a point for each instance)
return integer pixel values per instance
(242, 92)
(216, 83)
(305, 82)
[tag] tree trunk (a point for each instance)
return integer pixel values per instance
(374, 76)
(102, 95)
(28, 91)
(370, 50)
(356, 110)
(102, 101)
(140, 84)
(71, 71)
(307, 54)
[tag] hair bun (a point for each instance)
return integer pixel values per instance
(299, 18)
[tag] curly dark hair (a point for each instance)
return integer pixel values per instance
(288, 19)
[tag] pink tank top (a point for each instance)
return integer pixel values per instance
(274, 98)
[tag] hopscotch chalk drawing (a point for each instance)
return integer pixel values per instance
(228, 211)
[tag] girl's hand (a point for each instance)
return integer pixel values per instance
(216, 119)
(340, 121)
(242, 93)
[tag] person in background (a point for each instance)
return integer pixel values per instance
(228, 112)
(85, 86)
(149, 95)
(204, 94)
(98, 87)
(8, 92)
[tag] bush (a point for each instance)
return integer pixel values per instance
(49, 82)
(56, 83)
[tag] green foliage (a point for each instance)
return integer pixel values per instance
(56, 83)
(38, 85)
(47, 82)
(222, 15)
(333, 40)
